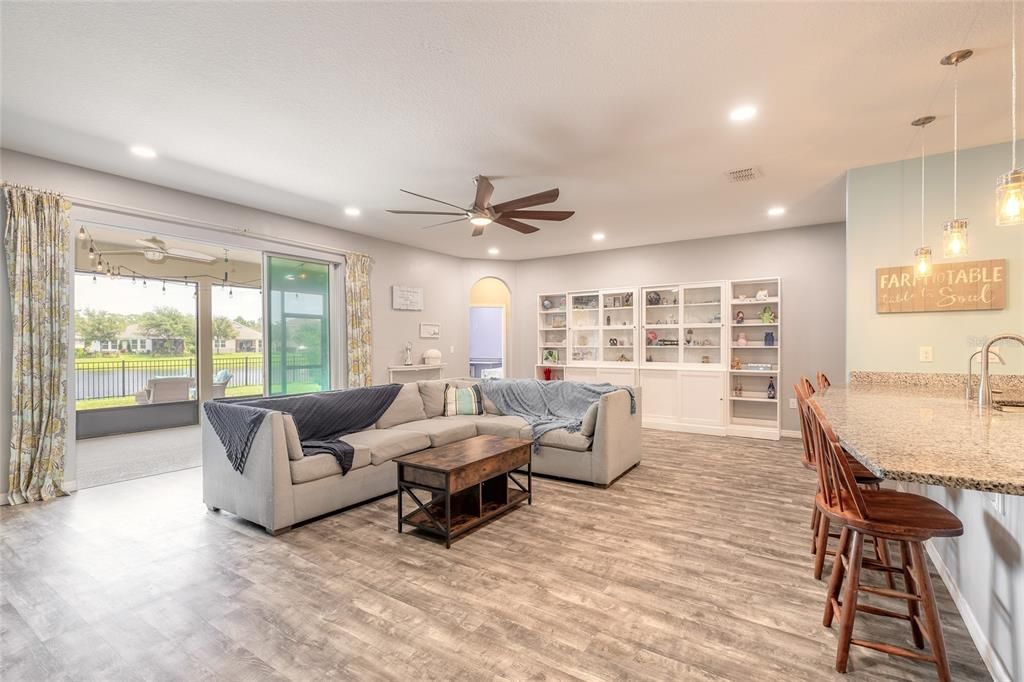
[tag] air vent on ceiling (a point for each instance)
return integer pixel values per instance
(743, 174)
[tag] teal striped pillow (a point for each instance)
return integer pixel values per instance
(467, 400)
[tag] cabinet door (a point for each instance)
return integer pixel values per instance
(615, 375)
(660, 394)
(702, 398)
(586, 375)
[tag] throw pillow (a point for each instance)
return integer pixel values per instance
(291, 437)
(432, 393)
(407, 407)
(462, 400)
(589, 424)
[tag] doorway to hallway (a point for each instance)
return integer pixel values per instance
(489, 302)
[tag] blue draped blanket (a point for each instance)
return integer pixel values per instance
(320, 418)
(548, 405)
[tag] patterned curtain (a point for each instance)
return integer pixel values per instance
(36, 245)
(360, 327)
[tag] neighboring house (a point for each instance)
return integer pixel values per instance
(135, 340)
(247, 340)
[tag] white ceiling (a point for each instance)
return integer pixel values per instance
(304, 108)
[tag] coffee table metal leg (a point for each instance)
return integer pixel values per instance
(447, 517)
(529, 481)
(401, 494)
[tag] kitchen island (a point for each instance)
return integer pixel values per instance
(931, 436)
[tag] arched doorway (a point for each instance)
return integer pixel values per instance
(489, 303)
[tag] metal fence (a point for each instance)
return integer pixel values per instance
(121, 378)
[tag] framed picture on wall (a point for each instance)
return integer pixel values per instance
(430, 330)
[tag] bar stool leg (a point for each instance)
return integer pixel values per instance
(931, 611)
(821, 549)
(910, 586)
(835, 583)
(815, 522)
(882, 553)
(848, 608)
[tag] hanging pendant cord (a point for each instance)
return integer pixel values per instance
(922, 184)
(1013, 85)
(956, 130)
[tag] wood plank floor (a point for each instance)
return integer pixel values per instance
(674, 573)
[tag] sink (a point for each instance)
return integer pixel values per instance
(1009, 405)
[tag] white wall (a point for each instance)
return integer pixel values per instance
(810, 261)
(985, 566)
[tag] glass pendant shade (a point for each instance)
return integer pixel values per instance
(923, 261)
(1010, 198)
(954, 238)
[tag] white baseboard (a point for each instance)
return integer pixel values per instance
(69, 486)
(683, 428)
(988, 654)
(787, 433)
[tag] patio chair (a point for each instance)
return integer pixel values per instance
(166, 390)
(220, 383)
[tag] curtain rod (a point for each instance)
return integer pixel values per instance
(29, 188)
(216, 227)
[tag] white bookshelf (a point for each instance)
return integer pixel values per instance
(755, 358)
(552, 335)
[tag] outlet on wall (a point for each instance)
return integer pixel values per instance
(792, 403)
(924, 353)
(451, 349)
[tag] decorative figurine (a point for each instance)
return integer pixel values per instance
(550, 357)
(769, 338)
(627, 299)
(613, 342)
(738, 390)
(408, 353)
(652, 337)
(623, 358)
(741, 340)
(767, 315)
(705, 359)
(771, 388)
(546, 304)
(608, 320)
(762, 295)
(653, 298)
(547, 374)
(739, 317)
(736, 364)
(689, 337)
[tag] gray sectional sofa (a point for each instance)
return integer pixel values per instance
(280, 487)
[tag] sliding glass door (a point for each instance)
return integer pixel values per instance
(299, 330)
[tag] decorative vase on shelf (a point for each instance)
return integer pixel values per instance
(769, 338)
(547, 374)
(608, 320)
(689, 337)
(546, 304)
(771, 388)
(741, 340)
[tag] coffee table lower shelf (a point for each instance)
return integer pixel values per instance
(463, 521)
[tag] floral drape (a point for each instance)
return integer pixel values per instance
(359, 327)
(35, 246)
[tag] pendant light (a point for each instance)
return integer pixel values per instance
(1010, 187)
(923, 253)
(954, 232)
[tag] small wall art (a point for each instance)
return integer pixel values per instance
(430, 330)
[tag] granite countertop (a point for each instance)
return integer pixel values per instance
(928, 435)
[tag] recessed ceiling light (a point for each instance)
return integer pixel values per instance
(747, 112)
(493, 251)
(352, 211)
(597, 236)
(143, 151)
(775, 211)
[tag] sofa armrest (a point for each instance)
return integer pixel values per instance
(617, 436)
(263, 492)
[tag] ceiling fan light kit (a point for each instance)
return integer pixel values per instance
(483, 213)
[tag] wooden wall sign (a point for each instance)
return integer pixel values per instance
(974, 285)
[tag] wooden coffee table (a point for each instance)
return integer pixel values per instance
(470, 483)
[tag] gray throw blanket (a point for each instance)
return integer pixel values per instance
(320, 418)
(548, 405)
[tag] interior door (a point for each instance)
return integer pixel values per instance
(298, 347)
(487, 342)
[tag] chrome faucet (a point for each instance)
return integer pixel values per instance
(970, 370)
(985, 385)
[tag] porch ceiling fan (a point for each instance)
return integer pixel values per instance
(482, 212)
(155, 250)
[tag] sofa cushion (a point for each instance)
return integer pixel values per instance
(506, 426)
(315, 467)
(440, 430)
(432, 394)
(386, 444)
(291, 438)
(560, 438)
(407, 407)
(462, 400)
(589, 424)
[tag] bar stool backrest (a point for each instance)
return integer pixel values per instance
(823, 381)
(836, 481)
(804, 391)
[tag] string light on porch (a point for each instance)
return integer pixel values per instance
(954, 232)
(923, 253)
(1010, 187)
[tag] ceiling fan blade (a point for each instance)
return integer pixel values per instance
(516, 225)
(447, 222)
(137, 252)
(190, 255)
(525, 202)
(539, 215)
(478, 230)
(484, 190)
(151, 242)
(421, 196)
(425, 212)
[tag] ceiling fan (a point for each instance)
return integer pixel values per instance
(508, 213)
(155, 250)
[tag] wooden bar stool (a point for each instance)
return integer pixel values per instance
(823, 381)
(821, 526)
(884, 515)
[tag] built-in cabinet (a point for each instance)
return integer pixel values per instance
(702, 367)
